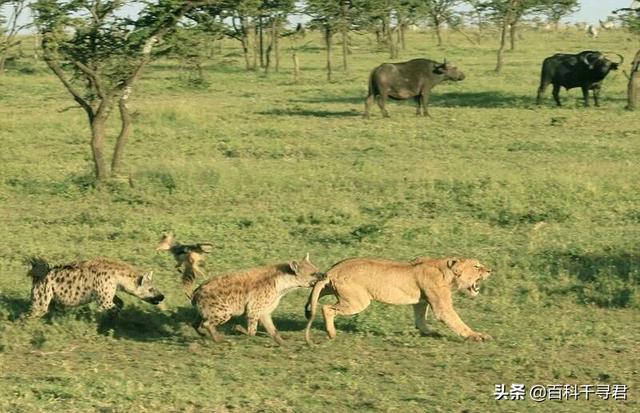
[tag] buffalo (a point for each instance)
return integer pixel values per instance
(412, 79)
(585, 70)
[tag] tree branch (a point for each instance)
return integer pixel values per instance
(57, 70)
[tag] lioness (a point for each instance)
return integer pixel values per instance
(421, 282)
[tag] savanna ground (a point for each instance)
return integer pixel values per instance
(267, 170)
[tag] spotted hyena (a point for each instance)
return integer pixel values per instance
(82, 282)
(255, 292)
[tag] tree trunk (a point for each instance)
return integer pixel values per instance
(633, 89)
(296, 67)
(256, 47)
(261, 41)
(270, 47)
(344, 30)
(3, 59)
(276, 43)
(98, 132)
(328, 39)
(513, 32)
(403, 29)
(437, 25)
(503, 41)
(125, 122)
(244, 39)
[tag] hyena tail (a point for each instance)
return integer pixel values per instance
(312, 306)
(39, 268)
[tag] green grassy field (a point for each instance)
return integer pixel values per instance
(267, 170)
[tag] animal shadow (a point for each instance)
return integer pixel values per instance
(139, 324)
(17, 306)
(614, 275)
(487, 99)
(312, 113)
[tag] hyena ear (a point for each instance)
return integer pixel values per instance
(165, 242)
(295, 267)
(146, 277)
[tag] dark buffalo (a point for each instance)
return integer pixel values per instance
(412, 79)
(585, 70)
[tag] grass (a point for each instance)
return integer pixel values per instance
(267, 170)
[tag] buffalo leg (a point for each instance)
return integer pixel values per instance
(424, 98)
(556, 94)
(541, 89)
(367, 104)
(585, 95)
(596, 95)
(381, 102)
(419, 109)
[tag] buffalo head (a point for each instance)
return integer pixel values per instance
(597, 61)
(449, 71)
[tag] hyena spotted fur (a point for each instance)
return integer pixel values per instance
(255, 292)
(82, 282)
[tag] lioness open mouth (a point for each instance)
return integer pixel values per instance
(474, 288)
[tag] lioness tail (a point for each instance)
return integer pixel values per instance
(312, 307)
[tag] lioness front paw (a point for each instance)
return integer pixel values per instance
(479, 337)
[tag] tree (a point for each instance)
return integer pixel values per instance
(276, 11)
(633, 89)
(439, 12)
(507, 14)
(98, 55)
(10, 27)
(555, 10)
(326, 15)
(630, 17)
(242, 16)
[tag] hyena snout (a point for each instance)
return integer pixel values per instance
(146, 291)
(155, 300)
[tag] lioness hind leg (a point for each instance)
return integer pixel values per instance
(353, 305)
(420, 312)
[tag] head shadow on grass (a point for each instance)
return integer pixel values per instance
(607, 279)
(136, 323)
(16, 306)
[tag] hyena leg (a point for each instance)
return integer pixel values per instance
(267, 322)
(356, 302)
(252, 325)
(41, 296)
(108, 303)
(210, 327)
(198, 326)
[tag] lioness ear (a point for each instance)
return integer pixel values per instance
(451, 263)
(306, 258)
(294, 267)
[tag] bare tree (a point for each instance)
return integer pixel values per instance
(98, 56)
(10, 26)
(439, 12)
